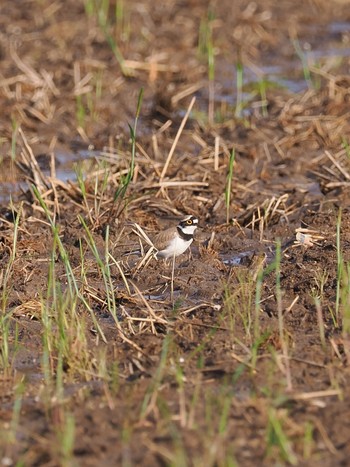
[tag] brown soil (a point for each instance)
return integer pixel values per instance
(201, 375)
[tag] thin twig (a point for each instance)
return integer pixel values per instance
(177, 137)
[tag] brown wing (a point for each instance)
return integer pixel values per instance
(161, 240)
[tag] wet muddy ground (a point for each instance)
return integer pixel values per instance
(239, 357)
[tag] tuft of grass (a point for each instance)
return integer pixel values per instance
(339, 266)
(151, 394)
(342, 300)
(73, 287)
(5, 326)
(100, 9)
(87, 98)
(122, 21)
(120, 194)
(239, 87)
(276, 437)
(211, 75)
(206, 50)
(15, 127)
(345, 299)
(65, 433)
(261, 273)
(263, 85)
(80, 111)
(308, 440)
(320, 322)
(6, 280)
(304, 62)
(317, 294)
(346, 146)
(103, 267)
(7, 274)
(229, 184)
(204, 35)
(65, 347)
(94, 212)
(282, 337)
(238, 302)
(19, 390)
(259, 341)
(48, 324)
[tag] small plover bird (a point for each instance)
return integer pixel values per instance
(175, 240)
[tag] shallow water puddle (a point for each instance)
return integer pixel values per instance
(65, 170)
(66, 162)
(286, 72)
(238, 259)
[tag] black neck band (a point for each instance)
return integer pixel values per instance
(184, 236)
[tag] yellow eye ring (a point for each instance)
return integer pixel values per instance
(189, 222)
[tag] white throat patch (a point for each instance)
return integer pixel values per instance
(188, 229)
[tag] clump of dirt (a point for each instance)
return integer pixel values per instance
(240, 353)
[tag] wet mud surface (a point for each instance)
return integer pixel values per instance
(241, 357)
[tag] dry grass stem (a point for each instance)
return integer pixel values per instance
(177, 137)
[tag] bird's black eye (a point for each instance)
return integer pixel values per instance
(189, 222)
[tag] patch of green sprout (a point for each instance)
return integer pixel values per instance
(66, 438)
(339, 266)
(276, 438)
(80, 111)
(119, 195)
(73, 286)
(346, 146)
(15, 127)
(206, 50)
(103, 267)
(239, 88)
(151, 393)
(122, 21)
(101, 10)
(304, 62)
